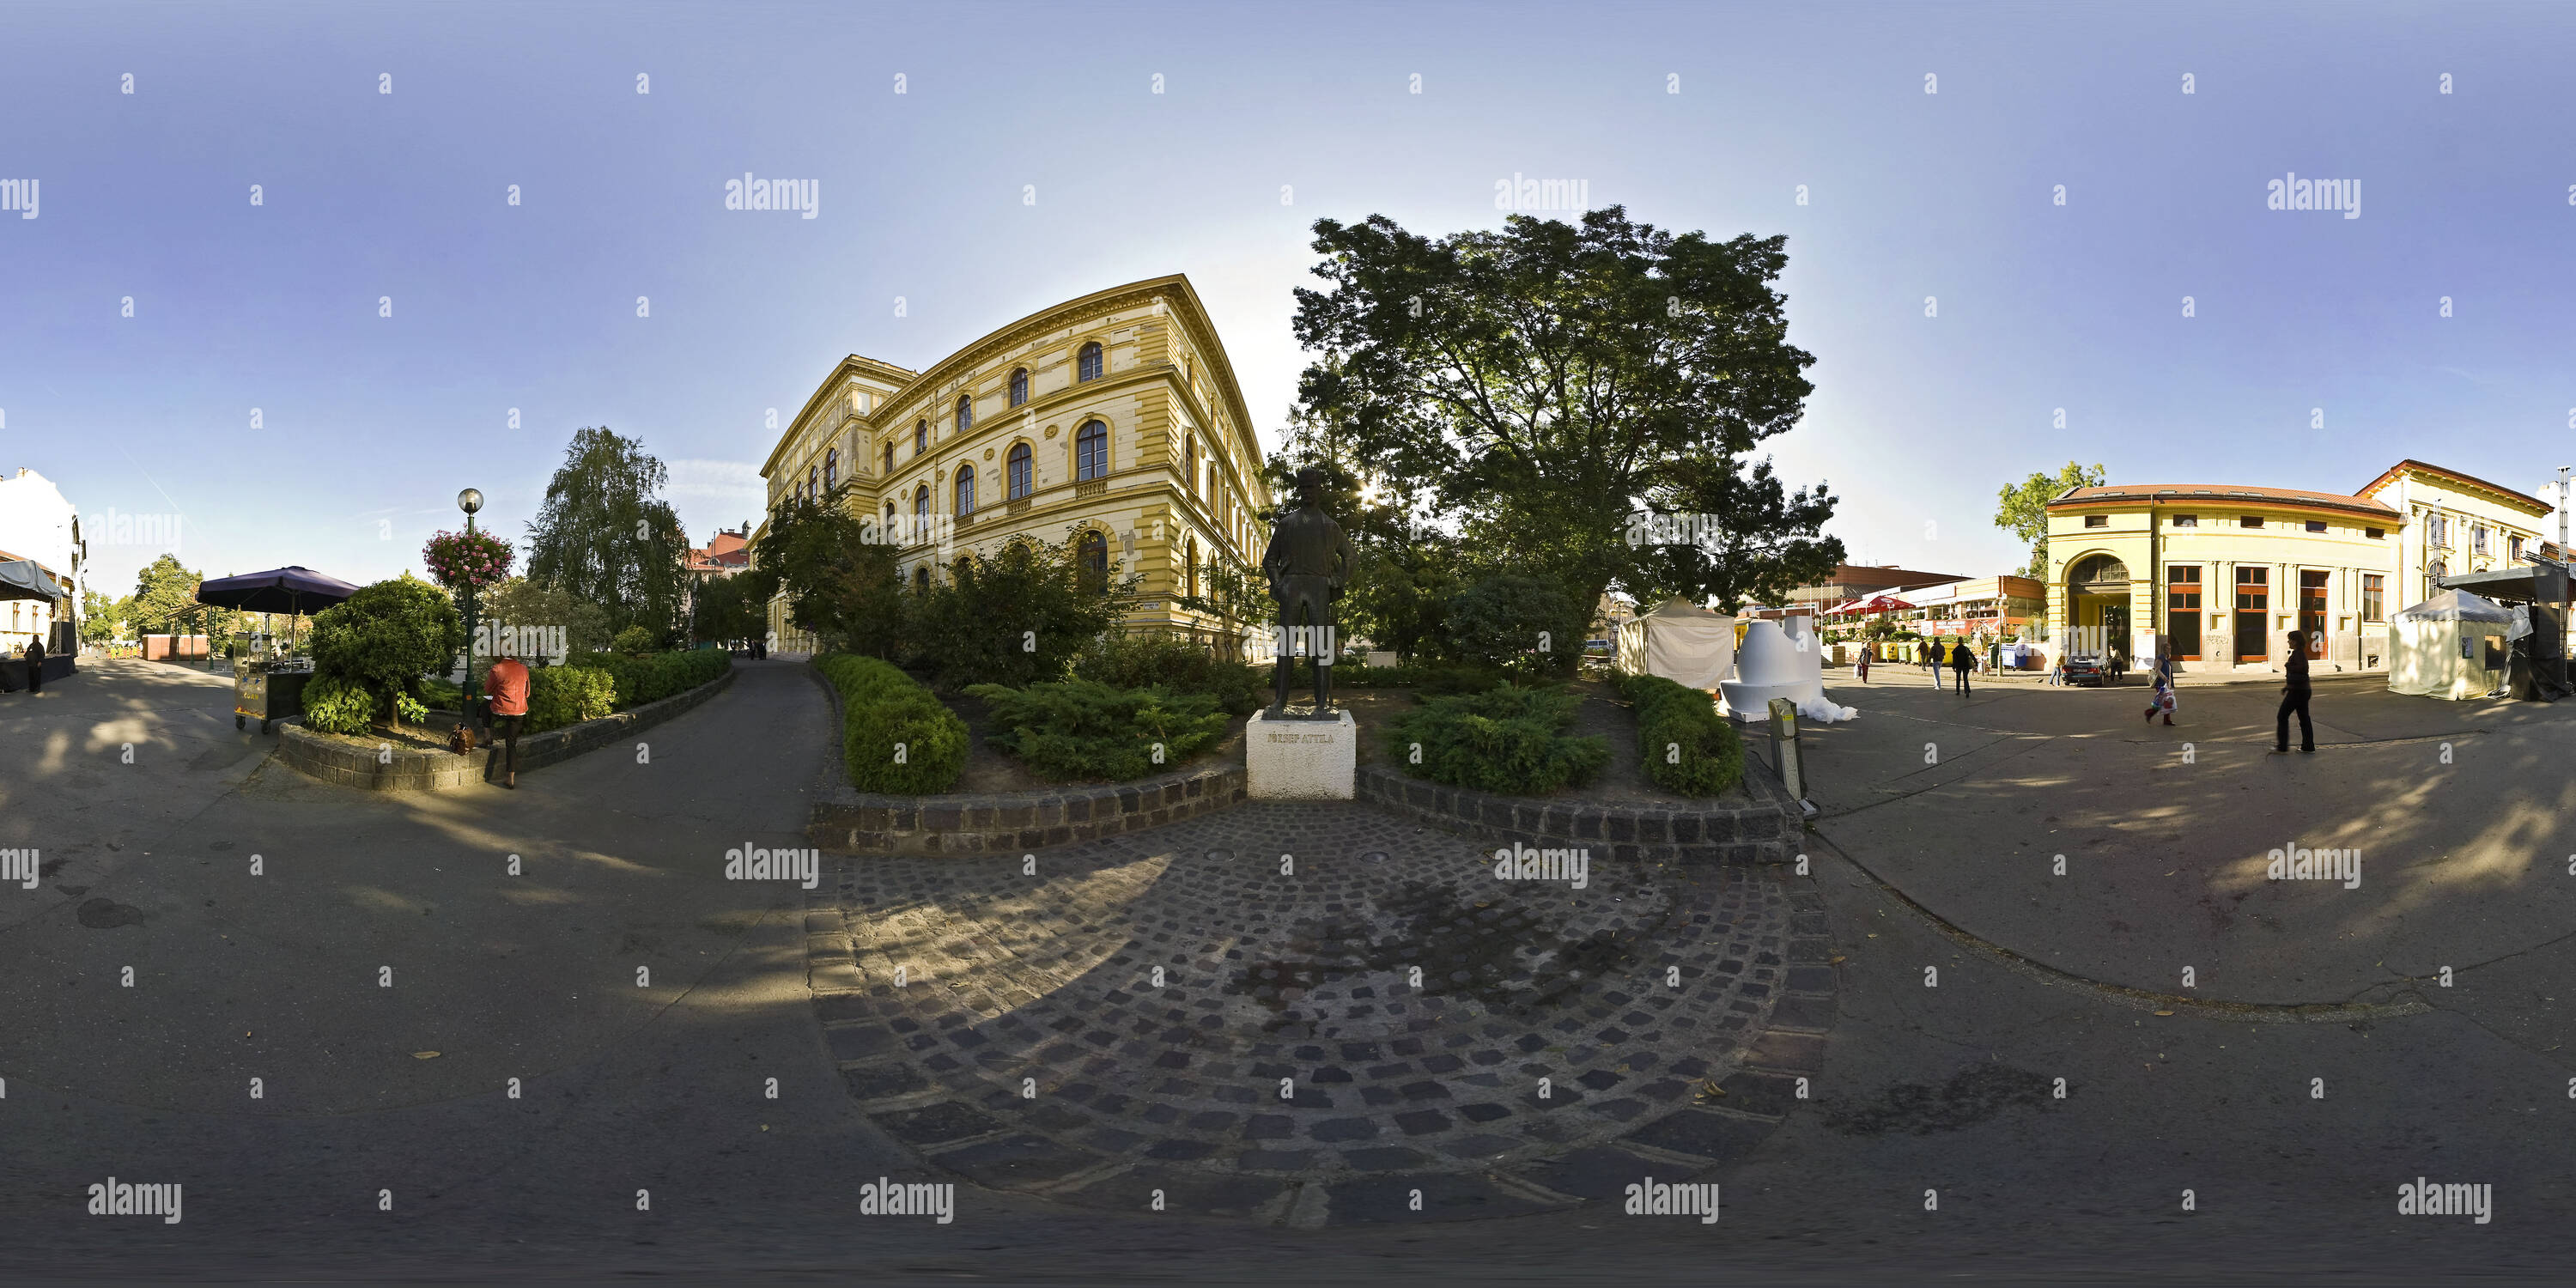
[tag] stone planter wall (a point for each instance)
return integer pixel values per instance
(409, 770)
(1765, 829)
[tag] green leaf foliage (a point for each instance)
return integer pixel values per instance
(1013, 619)
(1501, 620)
(567, 695)
(639, 680)
(1082, 729)
(1509, 740)
(387, 636)
(336, 705)
(895, 737)
(1175, 662)
(1683, 743)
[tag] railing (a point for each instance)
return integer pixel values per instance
(1090, 488)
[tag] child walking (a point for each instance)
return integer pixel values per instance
(2164, 699)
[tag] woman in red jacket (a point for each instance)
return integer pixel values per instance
(508, 683)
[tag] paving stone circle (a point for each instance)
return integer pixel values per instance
(1009, 1027)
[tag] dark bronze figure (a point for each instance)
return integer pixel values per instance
(1307, 563)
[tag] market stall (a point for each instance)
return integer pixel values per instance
(2449, 646)
(268, 689)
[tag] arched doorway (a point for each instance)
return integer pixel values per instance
(2097, 607)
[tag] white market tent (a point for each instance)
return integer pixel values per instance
(2441, 648)
(1681, 642)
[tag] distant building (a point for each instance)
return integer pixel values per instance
(1855, 581)
(1991, 607)
(2219, 574)
(726, 553)
(37, 523)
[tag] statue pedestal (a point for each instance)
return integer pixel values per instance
(1301, 760)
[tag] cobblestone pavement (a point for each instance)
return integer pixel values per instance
(1311, 1014)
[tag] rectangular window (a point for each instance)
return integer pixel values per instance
(2182, 610)
(2316, 525)
(2250, 521)
(2375, 534)
(2374, 597)
(2186, 520)
(2253, 606)
(2097, 520)
(2478, 540)
(2437, 533)
(2513, 548)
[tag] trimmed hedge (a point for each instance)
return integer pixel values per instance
(567, 695)
(1507, 740)
(1684, 745)
(1437, 678)
(650, 679)
(1083, 729)
(885, 715)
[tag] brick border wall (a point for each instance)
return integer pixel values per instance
(334, 761)
(1765, 830)
(856, 822)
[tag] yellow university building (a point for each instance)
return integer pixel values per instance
(1111, 422)
(2218, 575)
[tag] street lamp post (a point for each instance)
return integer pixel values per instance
(469, 501)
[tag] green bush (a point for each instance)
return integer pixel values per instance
(1083, 729)
(386, 637)
(895, 737)
(335, 705)
(443, 696)
(1435, 679)
(1683, 743)
(634, 641)
(1177, 663)
(1508, 739)
(639, 680)
(567, 695)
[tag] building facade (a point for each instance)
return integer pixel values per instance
(1109, 423)
(2218, 575)
(1859, 581)
(38, 523)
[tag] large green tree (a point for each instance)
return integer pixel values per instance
(102, 617)
(165, 600)
(606, 536)
(838, 571)
(2022, 509)
(1537, 385)
(386, 637)
(526, 602)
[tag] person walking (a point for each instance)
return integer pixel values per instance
(1961, 660)
(2164, 700)
(2294, 697)
(1861, 667)
(35, 666)
(508, 682)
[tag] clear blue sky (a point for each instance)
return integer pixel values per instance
(372, 424)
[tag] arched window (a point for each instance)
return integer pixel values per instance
(831, 469)
(921, 581)
(965, 490)
(1019, 386)
(1210, 494)
(1091, 450)
(921, 438)
(1087, 364)
(889, 520)
(1192, 572)
(1019, 470)
(921, 502)
(810, 473)
(965, 413)
(1190, 476)
(1093, 559)
(889, 458)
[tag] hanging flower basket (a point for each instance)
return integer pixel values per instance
(459, 559)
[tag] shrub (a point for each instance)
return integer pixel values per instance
(1014, 619)
(639, 680)
(567, 695)
(1497, 622)
(1683, 743)
(895, 737)
(1437, 679)
(335, 705)
(1080, 729)
(386, 637)
(634, 641)
(1508, 739)
(1177, 663)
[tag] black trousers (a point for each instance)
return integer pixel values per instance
(505, 738)
(2281, 723)
(1962, 673)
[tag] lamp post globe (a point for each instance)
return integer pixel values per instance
(469, 500)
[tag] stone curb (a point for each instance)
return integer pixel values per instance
(856, 822)
(1764, 831)
(437, 771)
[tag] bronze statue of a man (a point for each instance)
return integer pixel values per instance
(1307, 562)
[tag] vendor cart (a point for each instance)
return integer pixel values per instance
(269, 691)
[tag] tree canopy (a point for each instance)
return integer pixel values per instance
(1535, 387)
(606, 536)
(2022, 508)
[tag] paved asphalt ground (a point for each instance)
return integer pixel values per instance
(1941, 859)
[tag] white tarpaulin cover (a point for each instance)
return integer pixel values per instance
(1681, 642)
(23, 579)
(2439, 648)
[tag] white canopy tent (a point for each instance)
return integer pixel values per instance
(1681, 642)
(2450, 646)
